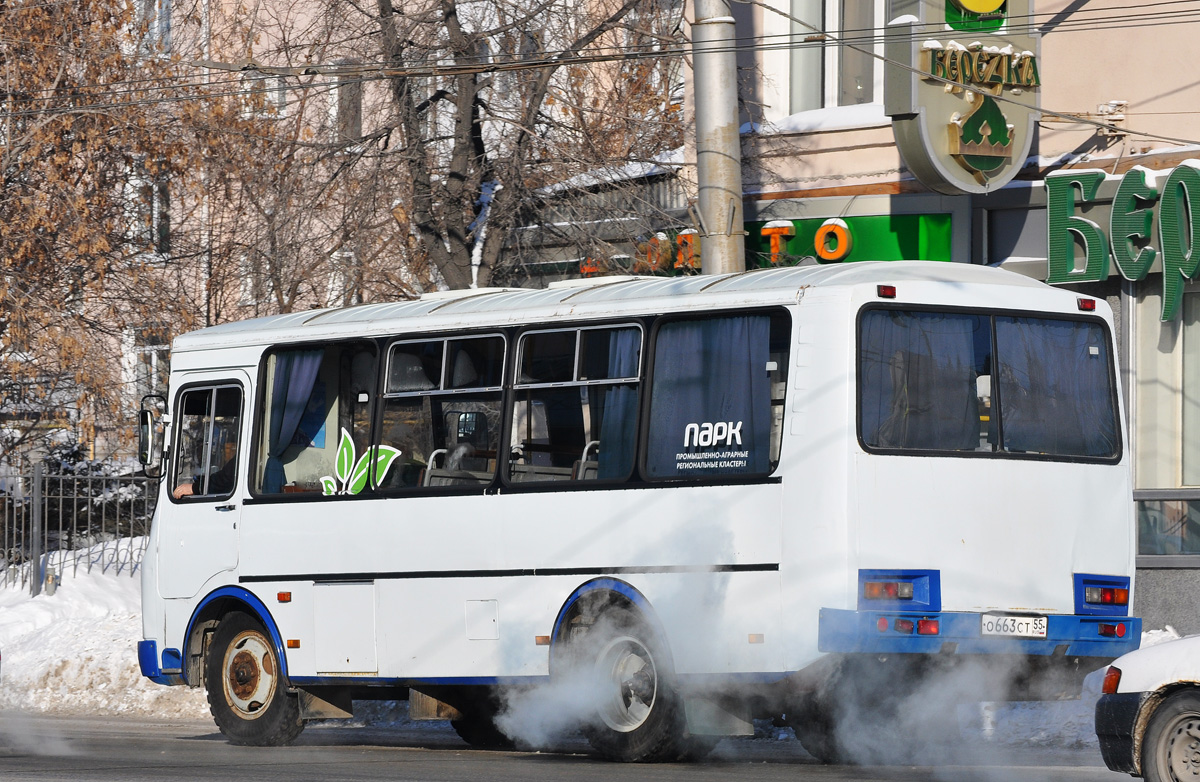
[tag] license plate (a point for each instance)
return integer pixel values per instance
(1014, 626)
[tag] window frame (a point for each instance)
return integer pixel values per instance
(775, 459)
(173, 479)
(258, 432)
(514, 387)
(998, 403)
(441, 387)
(388, 343)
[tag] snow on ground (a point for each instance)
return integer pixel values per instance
(75, 652)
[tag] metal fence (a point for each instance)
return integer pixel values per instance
(59, 523)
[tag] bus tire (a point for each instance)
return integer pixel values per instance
(247, 694)
(638, 714)
(1168, 749)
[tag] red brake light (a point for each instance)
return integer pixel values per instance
(1112, 678)
(1106, 596)
(928, 627)
(888, 590)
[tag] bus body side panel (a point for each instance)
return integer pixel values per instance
(475, 608)
(818, 428)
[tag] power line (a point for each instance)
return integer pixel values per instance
(847, 37)
(343, 74)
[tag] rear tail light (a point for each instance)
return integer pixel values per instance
(1114, 596)
(888, 590)
(928, 627)
(1112, 678)
(1117, 630)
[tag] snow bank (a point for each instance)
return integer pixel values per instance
(75, 652)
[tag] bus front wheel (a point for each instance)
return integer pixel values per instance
(638, 715)
(247, 694)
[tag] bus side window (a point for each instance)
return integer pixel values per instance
(207, 450)
(318, 403)
(442, 411)
(713, 396)
(575, 405)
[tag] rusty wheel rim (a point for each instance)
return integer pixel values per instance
(250, 674)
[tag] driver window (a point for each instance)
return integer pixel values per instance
(207, 442)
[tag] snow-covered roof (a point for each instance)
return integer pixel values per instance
(593, 297)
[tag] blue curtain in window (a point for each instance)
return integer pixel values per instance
(618, 429)
(917, 376)
(1055, 394)
(295, 374)
(710, 407)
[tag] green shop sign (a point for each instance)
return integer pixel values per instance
(848, 239)
(1138, 205)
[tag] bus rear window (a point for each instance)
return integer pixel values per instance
(967, 382)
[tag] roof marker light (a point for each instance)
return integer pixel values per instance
(1086, 305)
(886, 291)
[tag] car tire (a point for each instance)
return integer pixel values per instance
(1171, 744)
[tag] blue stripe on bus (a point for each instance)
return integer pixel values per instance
(846, 631)
(378, 681)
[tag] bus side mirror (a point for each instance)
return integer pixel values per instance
(150, 434)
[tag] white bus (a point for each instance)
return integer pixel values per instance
(718, 498)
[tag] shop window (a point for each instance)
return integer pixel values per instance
(1169, 527)
(441, 412)
(575, 405)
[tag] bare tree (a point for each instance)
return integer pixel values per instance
(495, 102)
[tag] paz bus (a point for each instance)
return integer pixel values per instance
(713, 498)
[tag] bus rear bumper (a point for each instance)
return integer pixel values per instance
(998, 667)
(950, 632)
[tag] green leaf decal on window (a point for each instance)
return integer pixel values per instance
(352, 476)
(384, 456)
(345, 458)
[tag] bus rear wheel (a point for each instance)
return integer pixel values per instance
(638, 714)
(247, 694)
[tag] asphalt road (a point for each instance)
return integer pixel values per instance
(115, 748)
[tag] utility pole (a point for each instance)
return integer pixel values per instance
(718, 143)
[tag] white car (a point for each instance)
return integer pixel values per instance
(1148, 719)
